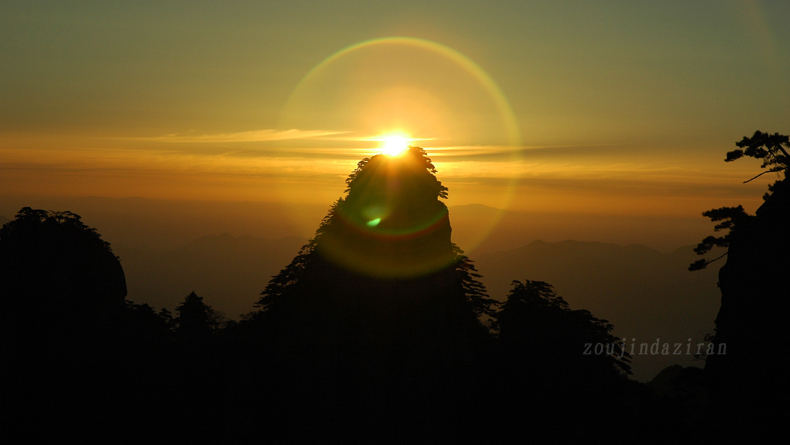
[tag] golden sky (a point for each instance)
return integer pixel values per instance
(567, 107)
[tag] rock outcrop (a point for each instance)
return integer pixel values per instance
(747, 370)
(60, 270)
(371, 321)
(61, 302)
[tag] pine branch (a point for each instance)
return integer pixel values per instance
(773, 170)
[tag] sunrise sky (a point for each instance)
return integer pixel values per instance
(619, 108)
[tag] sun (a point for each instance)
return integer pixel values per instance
(395, 145)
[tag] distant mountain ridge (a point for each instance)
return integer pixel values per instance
(478, 228)
(163, 225)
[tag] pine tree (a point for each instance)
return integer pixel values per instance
(771, 149)
(195, 318)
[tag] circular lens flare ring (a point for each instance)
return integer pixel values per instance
(496, 94)
(487, 82)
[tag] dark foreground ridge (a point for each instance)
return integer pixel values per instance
(377, 331)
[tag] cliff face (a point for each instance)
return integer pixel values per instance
(747, 374)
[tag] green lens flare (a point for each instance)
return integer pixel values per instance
(374, 222)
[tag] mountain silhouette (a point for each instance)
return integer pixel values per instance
(380, 329)
(376, 320)
(50, 263)
(746, 374)
(391, 223)
(62, 296)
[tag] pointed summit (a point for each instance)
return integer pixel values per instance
(380, 310)
(390, 230)
(391, 223)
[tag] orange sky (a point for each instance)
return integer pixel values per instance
(620, 108)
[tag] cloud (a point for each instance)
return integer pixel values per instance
(269, 135)
(505, 153)
(379, 138)
(243, 136)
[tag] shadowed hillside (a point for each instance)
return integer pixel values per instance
(645, 293)
(749, 384)
(376, 319)
(62, 295)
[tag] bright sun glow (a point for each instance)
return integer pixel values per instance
(395, 145)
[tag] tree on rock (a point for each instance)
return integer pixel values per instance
(196, 319)
(546, 335)
(61, 301)
(54, 266)
(772, 150)
(747, 382)
(379, 314)
(560, 368)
